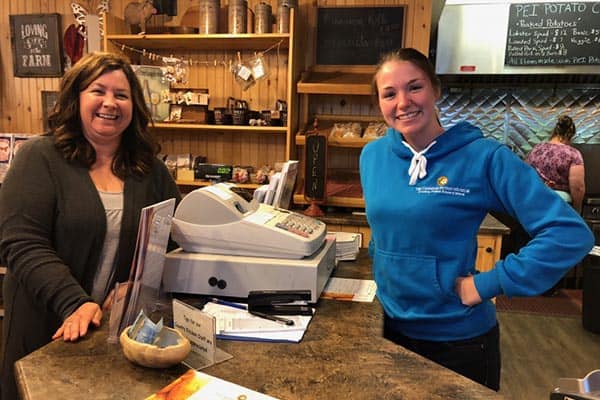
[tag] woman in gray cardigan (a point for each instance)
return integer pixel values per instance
(70, 207)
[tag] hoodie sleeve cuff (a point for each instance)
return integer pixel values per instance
(488, 284)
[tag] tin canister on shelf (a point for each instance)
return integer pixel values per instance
(209, 16)
(283, 14)
(237, 13)
(263, 18)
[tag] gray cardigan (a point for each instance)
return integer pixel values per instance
(52, 226)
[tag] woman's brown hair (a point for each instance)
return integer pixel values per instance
(413, 56)
(564, 129)
(138, 147)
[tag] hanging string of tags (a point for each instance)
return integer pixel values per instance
(248, 73)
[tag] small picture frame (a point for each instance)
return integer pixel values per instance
(49, 99)
(154, 85)
(37, 45)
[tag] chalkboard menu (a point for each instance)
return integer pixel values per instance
(566, 33)
(358, 35)
(315, 170)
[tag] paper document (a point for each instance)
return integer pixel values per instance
(237, 323)
(360, 290)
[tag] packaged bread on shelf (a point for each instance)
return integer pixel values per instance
(374, 130)
(346, 130)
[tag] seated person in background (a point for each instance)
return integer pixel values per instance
(559, 164)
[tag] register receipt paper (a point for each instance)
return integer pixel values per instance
(196, 385)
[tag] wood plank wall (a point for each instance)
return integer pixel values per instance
(21, 104)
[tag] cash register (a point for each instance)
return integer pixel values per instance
(232, 245)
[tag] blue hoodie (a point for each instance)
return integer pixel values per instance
(424, 236)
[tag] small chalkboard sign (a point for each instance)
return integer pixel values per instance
(358, 35)
(565, 33)
(36, 44)
(315, 173)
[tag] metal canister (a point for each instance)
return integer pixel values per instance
(263, 18)
(283, 18)
(209, 16)
(283, 14)
(237, 12)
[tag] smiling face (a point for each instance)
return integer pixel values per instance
(407, 100)
(106, 108)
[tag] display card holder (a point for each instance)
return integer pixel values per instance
(200, 329)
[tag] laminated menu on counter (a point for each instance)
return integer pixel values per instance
(195, 385)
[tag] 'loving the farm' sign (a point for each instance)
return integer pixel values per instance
(36, 45)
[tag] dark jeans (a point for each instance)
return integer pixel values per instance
(477, 358)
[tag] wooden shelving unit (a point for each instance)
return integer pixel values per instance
(205, 57)
(336, 82)
(330, 82)
(200, 183)
(176, 127)
(178, 42)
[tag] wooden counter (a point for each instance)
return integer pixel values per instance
(342, 356)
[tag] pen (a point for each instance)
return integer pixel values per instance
(228, 303)
(275, 318)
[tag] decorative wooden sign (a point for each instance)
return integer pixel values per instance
(316, 167)
(36, 45)
(49, 99)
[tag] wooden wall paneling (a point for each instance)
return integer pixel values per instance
(20, 104)
(422, 25)
(234, 151)
(199, 145)
(5, 59)
(249, 155)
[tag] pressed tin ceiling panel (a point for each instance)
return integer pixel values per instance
(521, 116)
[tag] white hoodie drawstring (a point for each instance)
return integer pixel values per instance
(418, 164)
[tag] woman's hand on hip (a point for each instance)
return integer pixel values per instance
(77, 324)
(464, 286)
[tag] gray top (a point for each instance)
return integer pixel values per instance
(113, 206)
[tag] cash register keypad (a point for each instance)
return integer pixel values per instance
(299, 224)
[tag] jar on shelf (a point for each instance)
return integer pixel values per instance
(263, 18)
(283, 14)
(237, 13)
(209, 16)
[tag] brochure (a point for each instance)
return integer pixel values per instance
(196, 385)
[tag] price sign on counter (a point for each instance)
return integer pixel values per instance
(565, 33)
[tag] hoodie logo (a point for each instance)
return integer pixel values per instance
(442, 181)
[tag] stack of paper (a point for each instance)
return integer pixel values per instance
(278, 192)
(236, 323)
(347, 245)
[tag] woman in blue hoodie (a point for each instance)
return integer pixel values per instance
(427, 189)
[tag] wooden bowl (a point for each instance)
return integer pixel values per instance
(152, 356)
